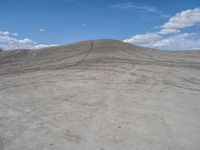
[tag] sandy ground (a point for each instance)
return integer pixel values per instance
(99, 95)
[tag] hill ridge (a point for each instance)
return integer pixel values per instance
(63, 57)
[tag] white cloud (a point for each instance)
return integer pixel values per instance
(4, 33)
(7, 39)
(25, 41)
(39, 46)
(173, 39)
(41, 30)
(176, 41)
(132, 6)
(143, 39)
(8, 33)
(181, 20)
(183, 41)
(9, 42)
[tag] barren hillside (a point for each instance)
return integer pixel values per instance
(99, 95)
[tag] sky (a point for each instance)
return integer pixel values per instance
(160, 24)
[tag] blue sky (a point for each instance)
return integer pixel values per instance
(163, 24)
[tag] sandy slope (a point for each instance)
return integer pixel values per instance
(99, 95)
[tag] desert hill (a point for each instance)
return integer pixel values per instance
(99, 95)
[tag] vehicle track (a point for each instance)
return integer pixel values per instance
(82, 59)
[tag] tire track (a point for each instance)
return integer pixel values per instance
(87, 54)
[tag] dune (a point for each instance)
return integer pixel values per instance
(99, 95)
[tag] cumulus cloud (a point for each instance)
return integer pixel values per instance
(183, 41)
(132, 6)
(176, 40)
(143, 39)
(4, 33)
(8, 33)
(7, 39)
(25, 41)
(39, 46)
(181, 20)
(8, 42)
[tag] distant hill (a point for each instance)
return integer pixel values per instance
(82, 53)
(1, 50)
(99, 95)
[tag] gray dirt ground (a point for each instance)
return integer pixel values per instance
(99, 95)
